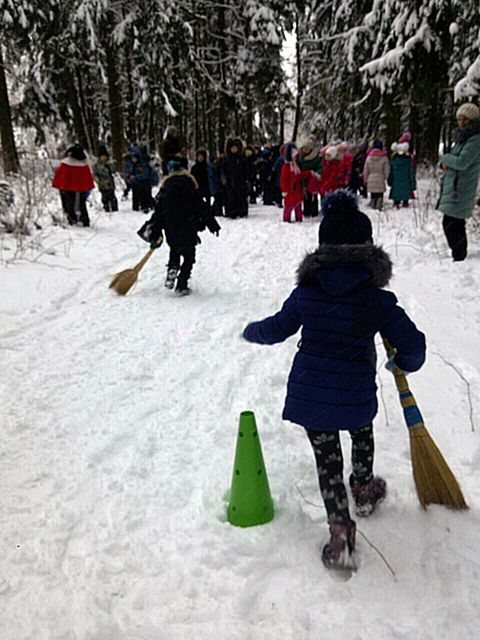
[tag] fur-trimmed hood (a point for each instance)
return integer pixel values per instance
(342, 268)
(177, 174)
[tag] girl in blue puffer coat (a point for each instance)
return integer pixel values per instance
(340, 305)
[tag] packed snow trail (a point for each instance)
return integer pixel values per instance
(118, 438)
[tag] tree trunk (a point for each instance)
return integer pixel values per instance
(9, 150)
(249, 117)
(114, 95)
(282, 126)
(222, 111)
(78, 125)
(298, 55)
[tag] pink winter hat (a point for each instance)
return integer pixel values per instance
(405, 137)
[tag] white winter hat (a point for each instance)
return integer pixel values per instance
(468, 110)
(332, 151)
(403, 147)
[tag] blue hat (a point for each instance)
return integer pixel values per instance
(173, 165)
(377, 144)
(343, 222)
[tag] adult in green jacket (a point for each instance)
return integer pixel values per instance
(460, 180)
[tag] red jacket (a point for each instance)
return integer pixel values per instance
(346, 169)
(291, 183)
(331, 178)
(73, 175)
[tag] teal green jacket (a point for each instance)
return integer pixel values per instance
(401, 178)
(459, 183)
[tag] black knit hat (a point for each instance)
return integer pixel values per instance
(343, 222)
(76, 151)
(102, 151)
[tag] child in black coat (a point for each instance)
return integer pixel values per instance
(181, 213)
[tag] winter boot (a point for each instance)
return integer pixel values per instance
(338, 553)
(171, 277)
(368, 495)
(183, 291)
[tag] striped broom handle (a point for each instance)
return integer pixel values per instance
(413, 417)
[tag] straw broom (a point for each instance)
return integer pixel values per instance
(434, 481)
(124, 281)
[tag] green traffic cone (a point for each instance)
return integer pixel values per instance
(250, 499)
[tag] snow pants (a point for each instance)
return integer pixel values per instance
(376, 201)
(236, 203)
(142, 196)
(287, 212)
(188, 255)
(310, 205)
(109, 200)
(456, 235)
(74, 205)
(329, 459)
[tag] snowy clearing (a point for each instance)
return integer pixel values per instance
(119, 431)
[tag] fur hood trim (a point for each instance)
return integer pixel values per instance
(373, 258)
(182, 172)
(73, 162)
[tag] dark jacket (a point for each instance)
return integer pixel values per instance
(103, 174)
(234, 173)
(200, 173)
(340, 306)
(180, 212)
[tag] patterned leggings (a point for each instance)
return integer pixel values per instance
(328, 456)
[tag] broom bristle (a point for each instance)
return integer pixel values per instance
(124, 281)
(434, 481)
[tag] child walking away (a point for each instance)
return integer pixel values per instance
(181, 213)
(103, 174)
(74, 180)
(340, 305)
(291, 183)
(375, 173)
(139, 179)
(402, 175)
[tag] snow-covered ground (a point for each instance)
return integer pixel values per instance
(119, 427)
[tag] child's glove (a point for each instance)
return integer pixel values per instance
(157, 244)
(392, 367)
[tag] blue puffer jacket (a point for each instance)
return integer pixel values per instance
(340, 306)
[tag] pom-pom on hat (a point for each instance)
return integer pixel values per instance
(288, 151)
(343, 222)
(468, 110)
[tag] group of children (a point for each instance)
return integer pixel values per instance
(308, 173)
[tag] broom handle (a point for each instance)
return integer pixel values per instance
(400, 377)
(138, 267)
(412, 414)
